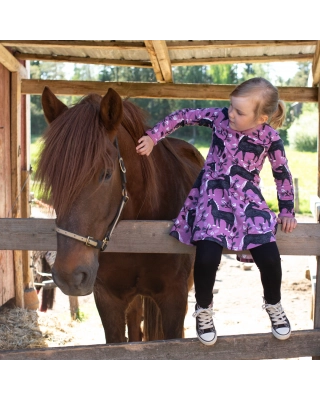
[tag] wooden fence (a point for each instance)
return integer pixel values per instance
(152, 237)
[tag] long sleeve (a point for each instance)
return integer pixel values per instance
(282, 177)
(179, 118)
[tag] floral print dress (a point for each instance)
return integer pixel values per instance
(225, 204)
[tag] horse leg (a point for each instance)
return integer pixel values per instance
(134, 317)
(173, 299)
(112, 313)
(173, 306)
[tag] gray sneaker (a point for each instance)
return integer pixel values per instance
(280, 324)
(205, 328)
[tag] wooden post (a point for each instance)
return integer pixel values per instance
(16, 178)
(7, 289)
(316, 311)
(74, 306)
(17, 73)
(296, 196)
(318, 181)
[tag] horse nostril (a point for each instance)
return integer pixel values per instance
(80, 277)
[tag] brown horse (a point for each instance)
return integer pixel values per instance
(79, 167)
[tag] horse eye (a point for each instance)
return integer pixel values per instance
(105, 176)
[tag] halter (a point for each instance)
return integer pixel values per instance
(102, 244)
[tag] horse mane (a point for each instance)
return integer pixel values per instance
(134, 122)
(74, 149)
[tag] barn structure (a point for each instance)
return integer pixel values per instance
(19, 234)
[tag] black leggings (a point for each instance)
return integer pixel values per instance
(208, 257)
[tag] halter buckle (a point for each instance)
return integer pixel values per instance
(87, 241)
(104, 243)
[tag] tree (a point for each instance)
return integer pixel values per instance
(48, 71)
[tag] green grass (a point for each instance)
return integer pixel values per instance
(303, 166)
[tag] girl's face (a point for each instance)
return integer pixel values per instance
(241, 114)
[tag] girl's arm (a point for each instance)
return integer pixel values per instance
(284, 184)
(177, 119)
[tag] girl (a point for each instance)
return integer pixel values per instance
(225, 207)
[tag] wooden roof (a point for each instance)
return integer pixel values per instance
(162, 55)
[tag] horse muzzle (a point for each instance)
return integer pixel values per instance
(79, 282)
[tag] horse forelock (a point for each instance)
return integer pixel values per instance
(75, 148)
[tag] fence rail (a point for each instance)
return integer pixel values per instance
(152, 237)
(261, 346)
(141, 237)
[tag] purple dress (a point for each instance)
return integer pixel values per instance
(225, 204)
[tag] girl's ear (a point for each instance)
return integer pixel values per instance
(262, 119)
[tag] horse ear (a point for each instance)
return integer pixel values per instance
(111, 110)
(52, 106)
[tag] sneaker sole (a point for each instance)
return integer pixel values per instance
(211, 343)
(281, 337)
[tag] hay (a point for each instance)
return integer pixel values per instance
(23, 329)
(19, 329)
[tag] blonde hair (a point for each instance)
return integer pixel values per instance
(267, 97)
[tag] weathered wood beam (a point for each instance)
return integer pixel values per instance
(11, 63)
(318, 144)
(141, 237)
(16, 179)
(7, 286)
(154, 61)
(241, 60)
(198, 44)
(83, 60)
(159, 57)
(316, 65)
(163, 57)
(156, 91)
(260, 346)
(316, 298)
(81, 44)
(172, 44)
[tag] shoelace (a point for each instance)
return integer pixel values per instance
(205, 317)
(276, 313)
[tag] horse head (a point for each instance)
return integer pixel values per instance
(79, 168)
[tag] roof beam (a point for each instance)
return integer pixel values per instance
(83, 60)
(171, 44)
(154, 62)
(316, 65)
(81, 44)
(239, 60)
(156, 91)
(11, 63)
(159, 57)
(197, 44)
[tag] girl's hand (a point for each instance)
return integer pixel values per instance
(287, 223)
(145, 146)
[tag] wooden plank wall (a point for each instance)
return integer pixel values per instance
(7, 290)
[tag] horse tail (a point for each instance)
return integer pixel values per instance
(152, 322)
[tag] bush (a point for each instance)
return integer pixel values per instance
(305, 142)
(303, 132)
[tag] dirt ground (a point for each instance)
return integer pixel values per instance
(237, 305)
